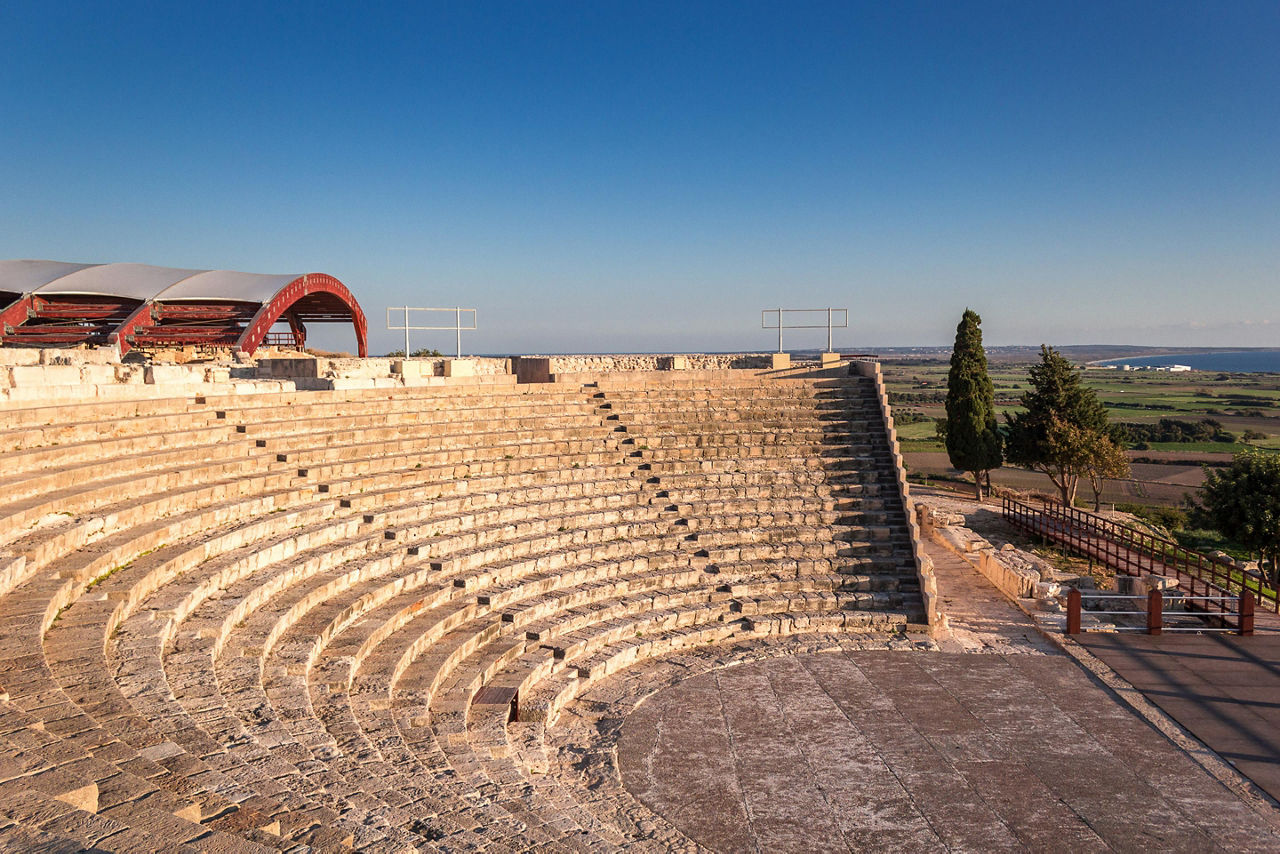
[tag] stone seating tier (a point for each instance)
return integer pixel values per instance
(304, 620)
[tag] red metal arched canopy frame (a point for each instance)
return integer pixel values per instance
(304, 286)
(304, 289)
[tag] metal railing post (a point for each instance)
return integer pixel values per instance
(1073, 611)
(457, 327)
(1245, 623)
(1155, 612)
(830, 323)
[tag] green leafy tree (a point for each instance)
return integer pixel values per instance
(972, 438)
(1243, 502)
(1104, 458)
(1058, 432)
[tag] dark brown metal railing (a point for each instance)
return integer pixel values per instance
(1155, 613)
(281, 339)
(1135, 552)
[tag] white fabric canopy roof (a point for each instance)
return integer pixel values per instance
(23, 277)
(138, 281)
(229, 285)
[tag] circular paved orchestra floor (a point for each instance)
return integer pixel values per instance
(867, 750)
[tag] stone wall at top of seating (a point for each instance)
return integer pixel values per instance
(604, 362)
(34, 376)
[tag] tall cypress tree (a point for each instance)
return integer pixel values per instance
(973, 441)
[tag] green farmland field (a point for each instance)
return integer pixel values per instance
(1168, 470)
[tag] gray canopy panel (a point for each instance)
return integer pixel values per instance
(227, 285)
(131, 281)
(140, 282)
(23, 277)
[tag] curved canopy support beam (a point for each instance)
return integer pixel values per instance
(303, 286)
(299, 331)
(120, 336)
(16, 312)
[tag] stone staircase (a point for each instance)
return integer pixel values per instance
(314, 621)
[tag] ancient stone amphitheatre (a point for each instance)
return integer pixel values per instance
(677, 609)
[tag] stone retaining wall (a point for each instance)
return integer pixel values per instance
(1011, 572)
(33, 376)
(606, 363)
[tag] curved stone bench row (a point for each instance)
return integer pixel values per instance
(134, 450)
(90, 573)
(81, 488)
(320, 644)
(86, 495)
(326, 597)
(68, 424)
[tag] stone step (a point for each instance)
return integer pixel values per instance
(299, 613)
(701, 627)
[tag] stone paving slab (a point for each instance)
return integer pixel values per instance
(884, 750)
(1224, 689)
(976, 616)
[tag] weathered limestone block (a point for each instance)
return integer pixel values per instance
(97, 374)
(1047, 590)
(780, 361)
(12, 569)
(285, 367)
(1014, 578)
(19, 356)
(69, 356)
(35, 376)
(130, 374)
(344, 383)
(926, 517)
(413, 369)
(82, 798)
(165, 375)
(1049, 605)
(459, 368)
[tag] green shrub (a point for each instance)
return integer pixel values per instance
(1169, 518)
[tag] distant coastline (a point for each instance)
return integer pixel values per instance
(1230, 361)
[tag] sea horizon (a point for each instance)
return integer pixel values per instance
(1225, 361)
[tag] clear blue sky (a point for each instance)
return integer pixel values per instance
(599, 176)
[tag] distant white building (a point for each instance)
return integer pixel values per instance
(1168, 369)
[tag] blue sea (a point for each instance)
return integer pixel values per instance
(1230, 361)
